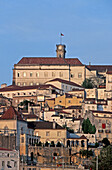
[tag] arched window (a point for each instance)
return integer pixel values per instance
(24, 74)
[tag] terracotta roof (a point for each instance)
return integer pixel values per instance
(31, 116)
(65, 82)
(109, 72)
(48, 61)
(11, 113)
(39, 87)
(104, 112)
(77, 89)
(44, 125)
(5, 149)
(73, 61)
(61, 111)
(83, 137)
(74, 107)
(100, 68)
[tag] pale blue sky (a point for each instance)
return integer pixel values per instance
(32, 28)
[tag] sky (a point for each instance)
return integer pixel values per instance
(33, 27)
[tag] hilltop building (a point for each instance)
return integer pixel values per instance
(38, 70)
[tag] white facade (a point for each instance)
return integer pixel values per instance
(9, 159)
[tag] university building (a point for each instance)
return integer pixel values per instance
(38, 70)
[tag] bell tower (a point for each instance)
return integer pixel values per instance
(60, 50)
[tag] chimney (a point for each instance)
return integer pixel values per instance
(54, 124)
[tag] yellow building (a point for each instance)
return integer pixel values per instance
(68, 100)
(50, 131)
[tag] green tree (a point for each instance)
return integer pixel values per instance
(87, 83)
(84, 153)
(25, 104)
(87, 127)
(106, 142)
(104, 159)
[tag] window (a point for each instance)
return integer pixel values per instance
(22, 139)
(47, 133)
(18, 83)
(71, 75)
(37, 74)
(31, 74)
(6, 130)
(79, 75)
(99, 120)
(18, 74)
(53, 74)
(24, 74)
(24, 84)
(3, 163)
(8, 163)
(15, 164)
(45, 74)
(31, 84)
(99, 135)
(58, 133)
(21, 130)
(60, 74)
(69, 101)
(60, 101)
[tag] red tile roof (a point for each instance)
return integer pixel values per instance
(49, 61)
(11, 113)
(5, 149)
(109, 72)
(65, 82)
(44, 125)
(83, 137)
(73, 61)
(14, 87)
(100, 68)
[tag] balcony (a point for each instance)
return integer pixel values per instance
(100, 131)
(107, 131)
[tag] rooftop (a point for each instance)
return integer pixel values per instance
(44, 125)
(16, 88)
(49, 61)
(11, 113)
(65, 82)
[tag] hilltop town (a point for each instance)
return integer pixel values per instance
(56, 113)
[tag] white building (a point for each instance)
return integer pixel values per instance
(9, 159)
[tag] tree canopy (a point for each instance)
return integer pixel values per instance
(106, 142)
(87, 83)
(87, 127)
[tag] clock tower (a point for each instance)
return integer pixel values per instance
(60, 50)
